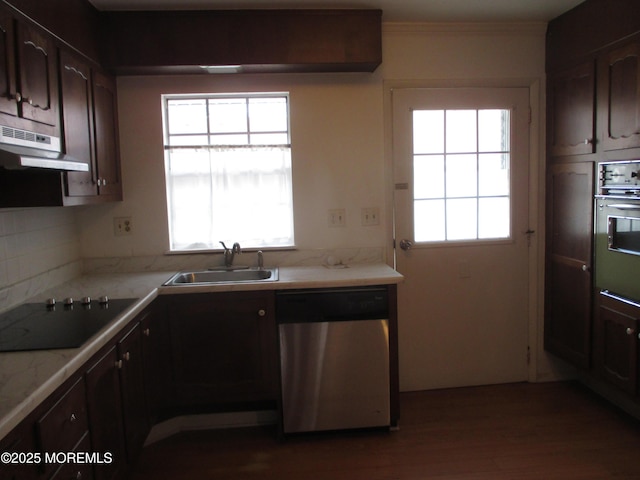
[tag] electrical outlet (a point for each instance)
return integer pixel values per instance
(122, 226)
(337, 217)
(370, 216)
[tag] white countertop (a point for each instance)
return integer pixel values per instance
(28, 378)
(303, 277)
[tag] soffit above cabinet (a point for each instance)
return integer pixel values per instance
(248, 41)
(587, 29)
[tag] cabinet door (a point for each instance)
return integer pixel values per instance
(568, 262)
(621, 86)
(105, 415)
(106, 136)
(134, 402)
(571, 111)
(223, 348)
(616, 342)
(155, 357)
(8, 103)
(75, 86)
(38, 79)
(20, 440)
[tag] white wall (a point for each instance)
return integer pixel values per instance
(337, 149)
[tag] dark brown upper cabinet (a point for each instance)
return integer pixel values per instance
(105, 117)
(89, 111)
(571, 110)
(77, 121)
(620, 98)
(8, 105)
(28, 77)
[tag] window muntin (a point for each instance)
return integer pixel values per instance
(228, 170)
(461, 175)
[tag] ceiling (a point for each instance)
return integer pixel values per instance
(393, 10)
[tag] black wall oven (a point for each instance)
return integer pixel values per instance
(617, 243)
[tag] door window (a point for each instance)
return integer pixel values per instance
(461, 174)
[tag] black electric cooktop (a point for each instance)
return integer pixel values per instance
(36, 326)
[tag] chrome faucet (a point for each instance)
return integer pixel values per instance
(229, 253)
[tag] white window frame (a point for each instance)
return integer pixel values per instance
(211, 243)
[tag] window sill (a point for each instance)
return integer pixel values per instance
(220, 250)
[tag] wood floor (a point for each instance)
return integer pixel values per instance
(519, 431)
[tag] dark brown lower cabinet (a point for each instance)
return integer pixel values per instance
(616, 342)
(21, 439)
(64, 425)
(223, 349)
(155, 358)
(105, 414)
(132, 386)
(117, 400)
(568, 283)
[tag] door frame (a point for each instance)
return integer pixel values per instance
(537, 165)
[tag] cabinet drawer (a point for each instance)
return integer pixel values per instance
(62, 427)
(76, 471)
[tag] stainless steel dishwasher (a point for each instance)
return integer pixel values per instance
(334, 358)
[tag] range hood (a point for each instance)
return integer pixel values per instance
(24, 149)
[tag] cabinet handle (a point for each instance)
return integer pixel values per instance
(588, 141)
(262, 312)
(73, 418)
(585, 268)
(119, 364)
(630, 331)
(146, 332)
(17, 97)
(126, 356)
(79, 475)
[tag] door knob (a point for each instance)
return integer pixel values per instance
(406, 245)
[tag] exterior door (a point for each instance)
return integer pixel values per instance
(461, 234)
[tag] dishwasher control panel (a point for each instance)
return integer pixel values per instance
(336, 304)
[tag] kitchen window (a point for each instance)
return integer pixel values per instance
(461, 165)
(228, 170)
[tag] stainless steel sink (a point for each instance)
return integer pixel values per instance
(208, 277)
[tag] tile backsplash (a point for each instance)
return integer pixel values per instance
(39, 247)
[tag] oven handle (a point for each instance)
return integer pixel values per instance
(624, 206)
(606, 293)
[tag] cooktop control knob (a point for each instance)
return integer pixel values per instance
(50, 302)
(103, 300)
(68, 301)
(85, 300)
